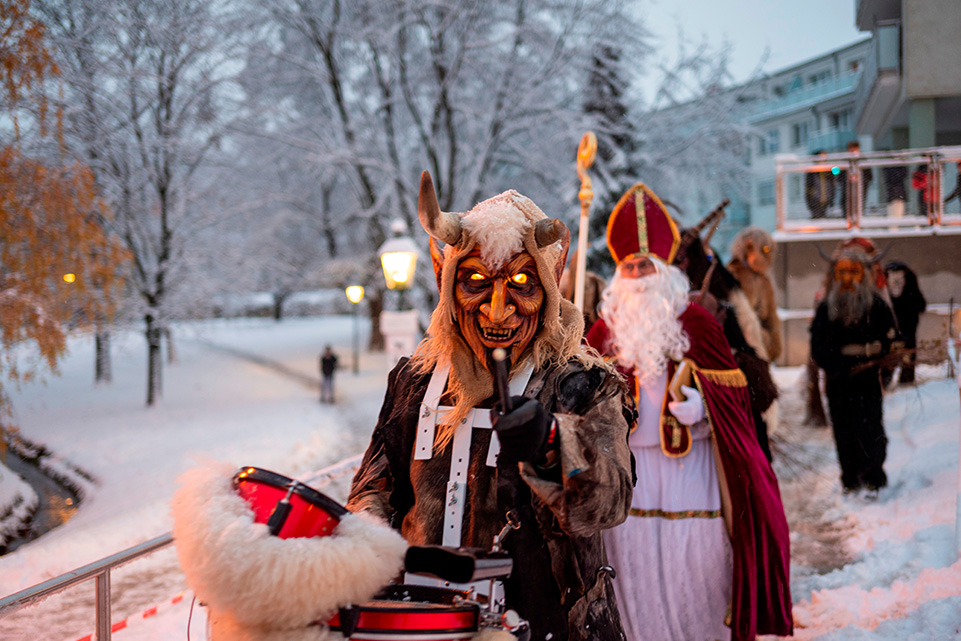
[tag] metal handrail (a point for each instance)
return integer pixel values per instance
(100, 570)
(934, 157)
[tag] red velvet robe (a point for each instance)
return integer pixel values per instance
(761, 587)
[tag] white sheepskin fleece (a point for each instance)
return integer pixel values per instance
(244, 574)
(499, 225)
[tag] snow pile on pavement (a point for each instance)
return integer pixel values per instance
(18, 501)
(900, 578)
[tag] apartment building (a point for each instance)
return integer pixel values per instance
(800, 110)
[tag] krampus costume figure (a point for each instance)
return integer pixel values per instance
(851, 338)
(705, 552)
(908, 303)
(752, 254)
(742, 326)
(562, 459)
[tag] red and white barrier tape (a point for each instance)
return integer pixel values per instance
(134, 619)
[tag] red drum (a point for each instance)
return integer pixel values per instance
(290, 507)
(409, 612)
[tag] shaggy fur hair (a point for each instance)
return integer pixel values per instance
(262, 587)
(749, 322)
(558, 339)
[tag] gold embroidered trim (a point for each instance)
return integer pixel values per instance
(728, 377)
(675, 516)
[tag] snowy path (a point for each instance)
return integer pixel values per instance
(881, 569)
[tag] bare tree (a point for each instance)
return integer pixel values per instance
(485, 95)
(146, 104)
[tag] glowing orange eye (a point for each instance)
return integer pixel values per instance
(477, 276)
(766, 249)
(520, 279)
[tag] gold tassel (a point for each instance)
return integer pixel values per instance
(727, 377)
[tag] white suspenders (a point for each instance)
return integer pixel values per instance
(430, 413)
(479, 418)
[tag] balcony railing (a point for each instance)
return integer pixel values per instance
(805, 97)
(830, 140)
(893, 189)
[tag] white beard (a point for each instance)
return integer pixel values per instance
(642, 314)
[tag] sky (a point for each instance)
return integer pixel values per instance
(883, 570)
(777, 33)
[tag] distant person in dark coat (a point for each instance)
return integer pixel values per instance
(851, 338)
(908, 303)
(854, 147)
(895, 191)
(328, 364)
(819, 187)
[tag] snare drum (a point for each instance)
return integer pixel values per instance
(408, 612)
(311, 513)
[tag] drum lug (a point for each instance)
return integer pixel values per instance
(349, 617)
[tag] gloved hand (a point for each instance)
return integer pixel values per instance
(522, 431)
(690, 410)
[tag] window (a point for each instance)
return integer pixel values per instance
(799, 133)
(765, 193)
(840, 119)
(770, 142)
(819, 77)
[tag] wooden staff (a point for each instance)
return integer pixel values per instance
(585, 158)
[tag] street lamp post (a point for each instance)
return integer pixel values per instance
(398, 257)
(355, 294)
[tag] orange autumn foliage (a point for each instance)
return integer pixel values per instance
(24, 60)
(50, 225)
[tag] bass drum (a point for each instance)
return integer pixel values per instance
(408, 612)
(288, 506)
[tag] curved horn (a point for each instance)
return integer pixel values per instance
(880, 256)
(548, 231)
(442, 226)
(713, 217)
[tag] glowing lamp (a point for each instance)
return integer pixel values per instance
(355, 293)
(69, 278)
(398, 257)
(835, 170)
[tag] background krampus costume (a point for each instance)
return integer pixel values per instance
(851, 337)
(908, 303)
(563, 460)
(737, 316)
(707, 528)
(752, 253)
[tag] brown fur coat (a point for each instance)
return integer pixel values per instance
(760, 293)
(557, 584)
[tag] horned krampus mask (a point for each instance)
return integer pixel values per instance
(499, 271)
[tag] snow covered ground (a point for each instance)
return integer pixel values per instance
(245, 391)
